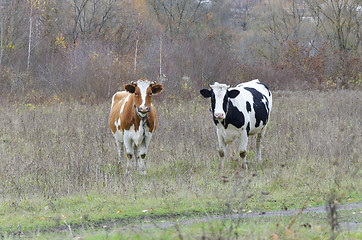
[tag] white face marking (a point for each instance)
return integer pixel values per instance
(219, 91)
(143, 85)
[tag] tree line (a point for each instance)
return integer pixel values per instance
(87, 49)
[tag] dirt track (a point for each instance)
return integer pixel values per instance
(351, 226)
(346, 226)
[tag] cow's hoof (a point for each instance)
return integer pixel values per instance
(244, 166)
(118, 163)
(221, 153)
(242, 154)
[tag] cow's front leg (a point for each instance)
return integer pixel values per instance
(136, 156)
(128, 143)
(242, 148)
(222, 148)
(142, 152)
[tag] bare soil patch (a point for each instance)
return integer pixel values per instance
(351, 226)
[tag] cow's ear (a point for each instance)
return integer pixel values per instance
(233, 93)
(130, 88)
(157, 88)
(206, 93)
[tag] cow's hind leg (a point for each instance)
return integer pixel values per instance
(136, 155)
(120, 151)
(222, 149)
(142, 151)
(242, 149)
(141, 164)
(259, 138)
(139, 157)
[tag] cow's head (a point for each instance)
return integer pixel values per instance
(220, 95)
(143, 90)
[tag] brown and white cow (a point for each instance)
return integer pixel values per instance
(133, 120)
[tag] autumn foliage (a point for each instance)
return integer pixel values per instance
(86, 49)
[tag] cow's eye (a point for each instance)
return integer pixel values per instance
(150, 94)
(136, 94)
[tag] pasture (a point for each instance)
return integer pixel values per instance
(58, 164)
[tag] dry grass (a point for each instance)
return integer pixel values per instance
(59, 150)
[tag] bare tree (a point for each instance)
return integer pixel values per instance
(30, 34)
(36, 13)
(1, 34)
(91, 16)
(281, 22)
(340, 19)
(179, 17)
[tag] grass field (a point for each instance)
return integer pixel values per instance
(58, 165)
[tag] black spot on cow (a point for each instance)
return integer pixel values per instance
(248, 128)
(261, 109)
(234, 117)
(265, 87)
(248, 106)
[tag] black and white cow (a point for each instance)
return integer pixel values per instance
(239, 112)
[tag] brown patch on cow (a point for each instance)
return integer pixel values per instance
(118, 101)
(128, 116)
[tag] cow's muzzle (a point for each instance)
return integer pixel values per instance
(143, 109)
(219, 116)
